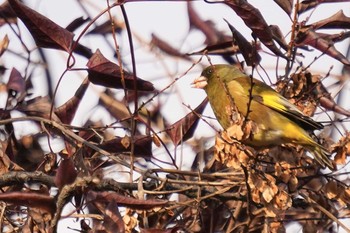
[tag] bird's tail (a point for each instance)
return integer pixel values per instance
(321, 156)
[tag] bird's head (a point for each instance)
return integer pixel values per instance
(216, 73)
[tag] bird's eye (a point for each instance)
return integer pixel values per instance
(12, 93)
(210, 71)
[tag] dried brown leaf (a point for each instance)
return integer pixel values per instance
(107, 28)
(222, 48)
(293, 183)
(105, 73)
(39, 106)
(66, 173)
(342, 149)
(113, 221)
(142, 145)
(130, 220)
(169, 230)
(66, 112)
(256, 22)
(126, 201)
(265, 185)
(333, 190)
(250, 54)
(228, 150)
(5, 162)
(307, 36)
(286, 5)
(309, 4)
(235, 132)
(16, 85)
(30, 199)
(345, 197)
(125, 141)
(115, 107)
(338, 20)
(76, 23)
(196, 22)
(45, 32)
(7, 15)
(330, 104)
(167, 48)
(282, 200)
(4, 43)
(278, 36)
(184, 128)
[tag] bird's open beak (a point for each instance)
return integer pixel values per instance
(200, 82)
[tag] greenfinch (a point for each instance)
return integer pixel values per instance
(277, 121)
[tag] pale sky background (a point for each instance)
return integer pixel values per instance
(169, 21)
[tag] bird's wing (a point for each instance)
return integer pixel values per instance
(275, 101)
(267, 96)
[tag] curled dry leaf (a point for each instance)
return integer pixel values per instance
(338, 20)
(167, 48)
(333, 190)
(264, 184)
(268, 193)
(345, 197)
(342, 149)
(318, 92)
(293, 183)
(39, 106)
(277, 206)
(213, 36)
(113, 221)
(249, 52)
(282, 200)
(16, 85)
(286, 5)
(310, 4)
(184, 128)
(4, 44)
(105, 73)
(107, 28)
(306, 91)
(30, 199)
(115, 107)
(142, 145)
(196, 22)
(7, 15)
(223, 48)
(321, 42)
(277, 227)
(234, 132)
(126, 201)
(229, 151)
(66, 173)
(66, 112)
(76, 23)
(129, 220)
(256, 22)
(278, 36)
(126, 141)
(284, 172)
(5, 162)
(45, 32)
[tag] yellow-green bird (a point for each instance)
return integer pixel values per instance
(277, 120)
